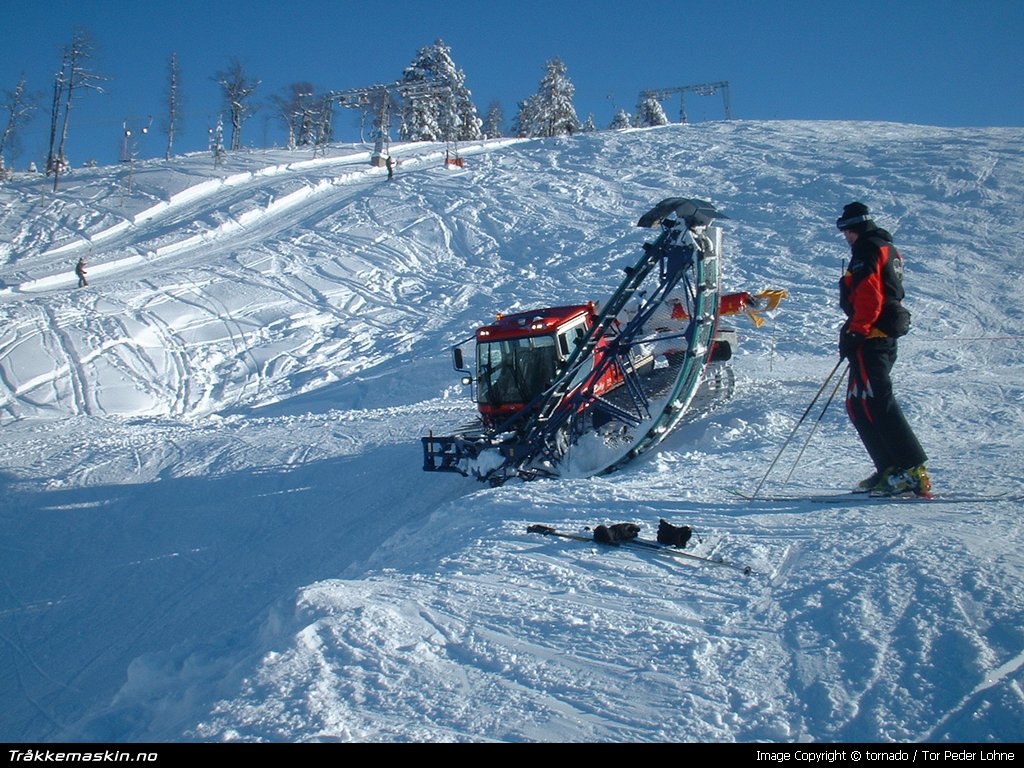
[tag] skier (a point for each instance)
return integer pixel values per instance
(80, 271)
(871, 293)
(390, 163)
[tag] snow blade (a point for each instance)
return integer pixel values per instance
(697, 213)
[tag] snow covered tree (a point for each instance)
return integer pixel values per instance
(444, 112)
(300, 111)
(493, 121)
(550, 111)
(19, 106)
(238, 89)
(73, 76)
(527, 121)
(589, 126)
(650, 113)
(323, 129)
(620, 121)
(217, 142)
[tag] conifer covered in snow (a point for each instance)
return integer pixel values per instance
(217, 142)
(621, 120)
(444, 113)
(550, 111)
(650, 113)
(493, 121)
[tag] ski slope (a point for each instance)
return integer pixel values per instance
(214, 525)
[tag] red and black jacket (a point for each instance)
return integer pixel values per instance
(871, 291)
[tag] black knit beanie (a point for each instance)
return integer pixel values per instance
(856, 216)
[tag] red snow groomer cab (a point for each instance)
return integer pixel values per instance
(519, 355)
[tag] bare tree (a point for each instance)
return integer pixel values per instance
(173, 104)
(300, 113)
(324, 124)
(73, 76)
(238, 90)
(20, 106)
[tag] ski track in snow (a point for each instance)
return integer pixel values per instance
(215, 523)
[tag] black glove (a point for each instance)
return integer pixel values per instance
(614, 534)
(673, 535)
(849, 343)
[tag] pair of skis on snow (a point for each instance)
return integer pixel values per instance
(672, 539)
(853, 498)
(624, 535)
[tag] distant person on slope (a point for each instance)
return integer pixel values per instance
(390, 163)
(80, 271)
(871, 294)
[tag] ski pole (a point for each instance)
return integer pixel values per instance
(816, 424)
(795, 428)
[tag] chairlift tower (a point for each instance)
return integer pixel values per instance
(701, 89)
(380, 100)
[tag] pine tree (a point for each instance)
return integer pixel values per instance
(589, 126)
(620, 121)
(492, 128)
(527, 122)
(442, 113)
(649, 113)
(217, 143)
(550, 112)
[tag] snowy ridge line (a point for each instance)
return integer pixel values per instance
(247, 219)
(204, 189)
(252, 217)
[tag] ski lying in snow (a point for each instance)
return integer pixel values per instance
(850, 497)
(650, 546)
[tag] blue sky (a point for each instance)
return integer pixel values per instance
(911, 61)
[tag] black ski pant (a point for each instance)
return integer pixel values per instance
(888, 438)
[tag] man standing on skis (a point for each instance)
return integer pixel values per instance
(80, 271)
(871, 294)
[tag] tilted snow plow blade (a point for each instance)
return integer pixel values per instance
(622, 377)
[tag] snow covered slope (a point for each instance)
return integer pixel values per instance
(214, 521)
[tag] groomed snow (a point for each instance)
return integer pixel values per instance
(214, 524)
